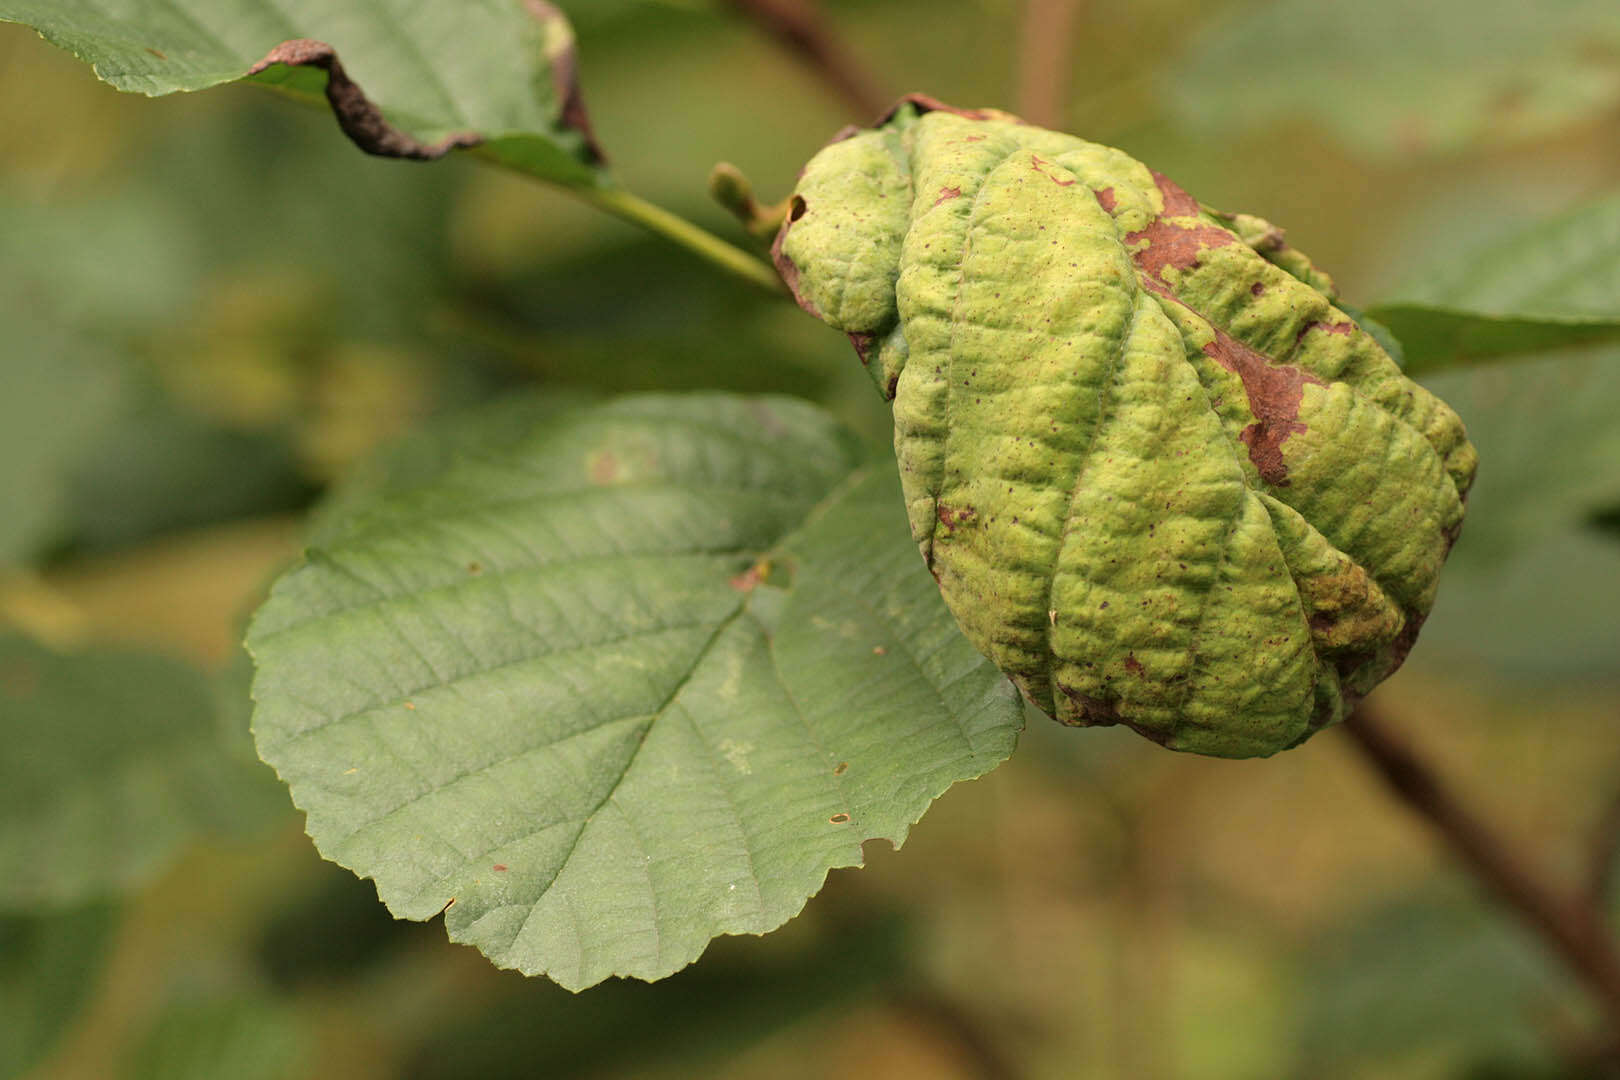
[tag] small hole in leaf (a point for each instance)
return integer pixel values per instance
(797, 209)
(839, 819)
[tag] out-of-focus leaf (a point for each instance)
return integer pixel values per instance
(113, 761)
(1552, 285)
(1395, 77)
(1548, 433)
(48, 964)
(475, 434)
(698, 1018)
(1530, 588)
(1427, 976)
(334, 930)
(638, 678)
(55, 394)
(157, 469)
(1551, 608)
(1606, 521)
(412, 80)
(244, 1036)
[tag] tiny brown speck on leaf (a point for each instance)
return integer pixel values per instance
(603, 467)
(411, 705)
(840, 768)
(499, 868)
(751, 578)
(878, 650)
(475, 568)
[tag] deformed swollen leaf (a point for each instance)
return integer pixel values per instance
(1161, 479)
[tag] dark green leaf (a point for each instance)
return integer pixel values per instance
(47, 966)
(1444, 977)
(1554, 284)
(692, 1024)
(1530, 588)
(636, 678)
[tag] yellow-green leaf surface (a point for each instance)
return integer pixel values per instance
(607, 685)
(407, 79)
(1549, 285)
(1161, 479)
(113, 761)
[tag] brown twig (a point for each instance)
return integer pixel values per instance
(1043, 65)
(1605, 853)
(801, 28)
(1566, 921)
(975, 1046)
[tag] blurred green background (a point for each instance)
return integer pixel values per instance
(214, 305)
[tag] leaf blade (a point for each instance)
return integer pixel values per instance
(643, 735)
(1549, 285)
(498, 71)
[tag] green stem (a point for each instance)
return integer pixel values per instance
(705, 245)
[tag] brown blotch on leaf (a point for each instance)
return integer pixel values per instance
(1343, 329)
(499, 868)
(863, 343)
(602, 468)
(1275, 392)
(157, 53)
(946, 194)
(360, 120)
(925, 104)
(475, 568)
(1134, 666)
(1105, 198)
(1257, 289)
(839, 819)
(1170, 243)
(1035, 162)
(784, 264)
(952, 516)
(841, 768)
(752, 578)
(565, 80)
(1091, 710)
